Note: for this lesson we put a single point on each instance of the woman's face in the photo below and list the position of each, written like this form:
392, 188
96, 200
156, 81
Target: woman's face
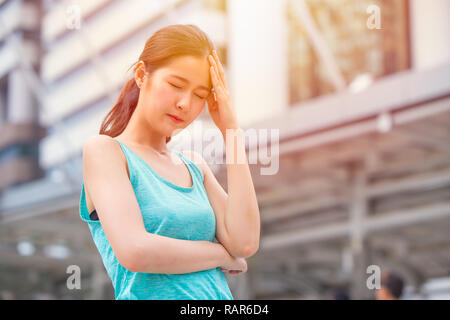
180, 89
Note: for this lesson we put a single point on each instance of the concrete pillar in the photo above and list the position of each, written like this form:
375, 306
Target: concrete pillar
2, 106
21, 104
358, 241
430, 27
20, 129
257, 58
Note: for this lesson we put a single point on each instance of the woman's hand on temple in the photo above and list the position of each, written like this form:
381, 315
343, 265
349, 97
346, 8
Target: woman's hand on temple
220, 107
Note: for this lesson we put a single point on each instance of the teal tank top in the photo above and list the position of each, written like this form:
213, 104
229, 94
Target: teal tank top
168, 210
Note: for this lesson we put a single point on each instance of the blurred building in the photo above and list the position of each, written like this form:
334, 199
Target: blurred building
20, 130
360, 94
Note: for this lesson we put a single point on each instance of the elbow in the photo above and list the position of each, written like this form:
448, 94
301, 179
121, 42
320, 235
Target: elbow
252, 250
246, 251
131, 265
131, 258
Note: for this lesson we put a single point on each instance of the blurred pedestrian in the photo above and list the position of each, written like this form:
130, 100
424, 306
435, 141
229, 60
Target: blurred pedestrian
391, 286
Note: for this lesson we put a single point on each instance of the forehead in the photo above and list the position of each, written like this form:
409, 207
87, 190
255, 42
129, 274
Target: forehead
193, 69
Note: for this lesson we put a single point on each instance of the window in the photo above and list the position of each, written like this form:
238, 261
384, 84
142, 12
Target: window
355, 48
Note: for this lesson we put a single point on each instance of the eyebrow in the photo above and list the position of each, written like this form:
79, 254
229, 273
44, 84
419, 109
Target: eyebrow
186, 80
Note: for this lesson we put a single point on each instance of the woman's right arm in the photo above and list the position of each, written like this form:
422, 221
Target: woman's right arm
109, 188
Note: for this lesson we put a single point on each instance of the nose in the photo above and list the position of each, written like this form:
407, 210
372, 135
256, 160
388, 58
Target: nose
184, 103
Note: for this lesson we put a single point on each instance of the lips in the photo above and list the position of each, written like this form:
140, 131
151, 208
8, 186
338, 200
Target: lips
175, 118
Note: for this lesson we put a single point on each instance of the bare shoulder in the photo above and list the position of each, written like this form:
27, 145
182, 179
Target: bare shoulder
103, 150
102, 146
99, 142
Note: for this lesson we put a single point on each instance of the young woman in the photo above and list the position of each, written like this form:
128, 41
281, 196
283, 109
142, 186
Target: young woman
154, 219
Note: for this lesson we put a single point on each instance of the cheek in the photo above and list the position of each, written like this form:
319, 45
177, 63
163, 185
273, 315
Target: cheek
164, 93
161, 99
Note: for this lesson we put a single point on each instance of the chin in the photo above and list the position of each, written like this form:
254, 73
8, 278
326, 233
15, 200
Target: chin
174, 130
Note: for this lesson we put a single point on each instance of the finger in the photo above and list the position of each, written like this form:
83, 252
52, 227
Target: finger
215, 80
219, 66
213, 95
213, 63
210, 98
211, 102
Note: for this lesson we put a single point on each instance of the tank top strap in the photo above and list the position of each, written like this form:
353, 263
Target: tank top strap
130, 158
123, 147
194, 167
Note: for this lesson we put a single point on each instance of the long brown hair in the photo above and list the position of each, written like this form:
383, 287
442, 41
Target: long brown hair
164, 45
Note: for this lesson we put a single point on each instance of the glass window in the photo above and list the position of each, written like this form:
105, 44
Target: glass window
355, 48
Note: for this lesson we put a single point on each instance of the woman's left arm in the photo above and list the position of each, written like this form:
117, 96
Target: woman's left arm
237, 212
242, 218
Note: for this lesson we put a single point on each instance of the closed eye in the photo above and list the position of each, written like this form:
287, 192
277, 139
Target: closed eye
174, 85
180, 88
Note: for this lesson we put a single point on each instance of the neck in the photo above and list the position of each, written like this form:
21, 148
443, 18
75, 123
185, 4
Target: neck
140, 133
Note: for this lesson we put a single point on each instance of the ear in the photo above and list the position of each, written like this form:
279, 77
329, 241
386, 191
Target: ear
140, 73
